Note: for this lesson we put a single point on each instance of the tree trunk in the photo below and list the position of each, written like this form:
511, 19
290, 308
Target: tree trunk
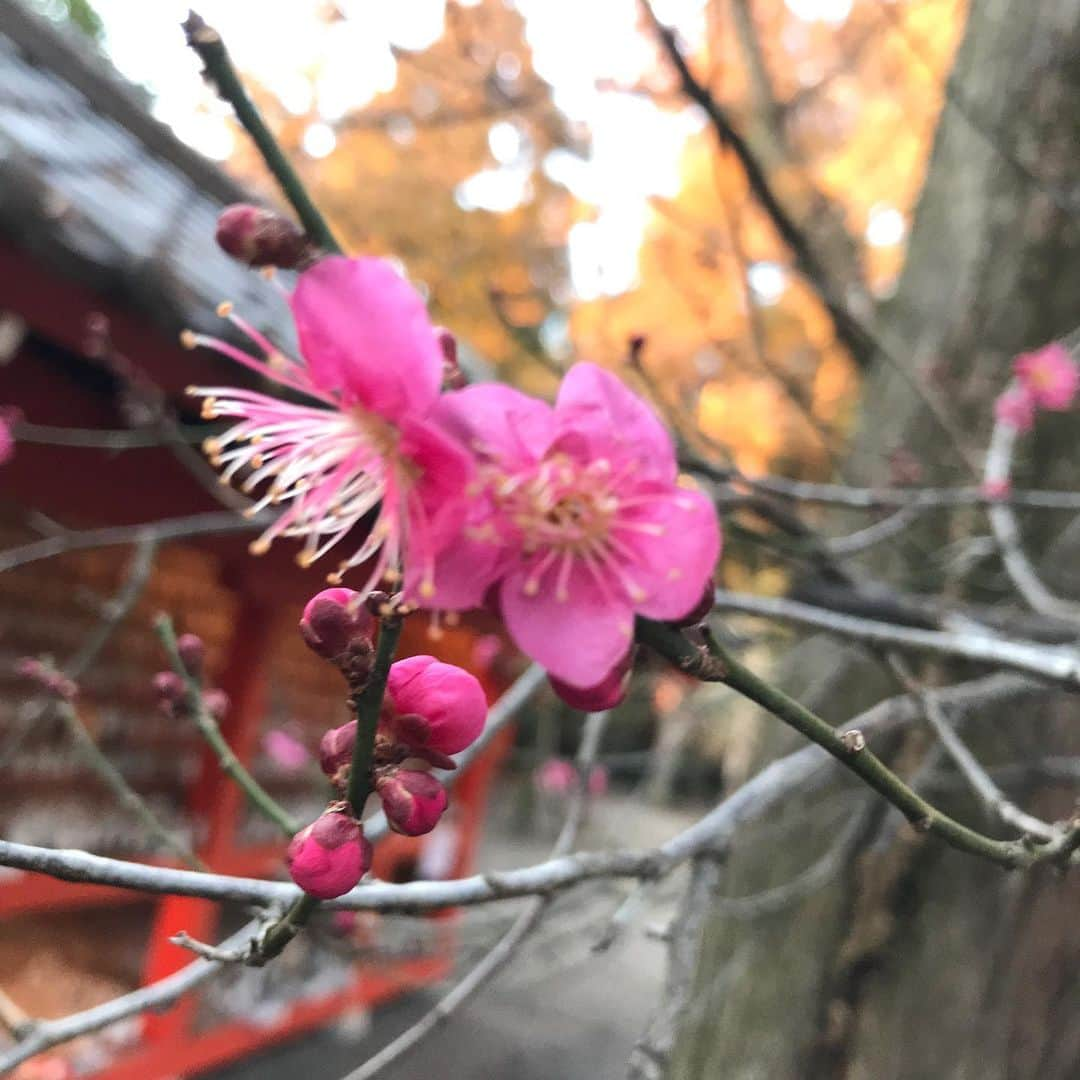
915, 961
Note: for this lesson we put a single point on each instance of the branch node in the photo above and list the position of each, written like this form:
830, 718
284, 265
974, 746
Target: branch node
853, 740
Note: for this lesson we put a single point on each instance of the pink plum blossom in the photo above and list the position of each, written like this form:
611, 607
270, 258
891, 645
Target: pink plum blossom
578, 519
1016, 407
330, 856
287, 752
1050, 376
372, 367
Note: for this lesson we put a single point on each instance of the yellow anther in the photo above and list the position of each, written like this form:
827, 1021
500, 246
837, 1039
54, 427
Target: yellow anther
225, 309
260, 546
188, 339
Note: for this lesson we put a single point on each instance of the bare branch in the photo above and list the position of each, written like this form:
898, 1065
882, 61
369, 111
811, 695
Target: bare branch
1058, 663
113, 535
997, 470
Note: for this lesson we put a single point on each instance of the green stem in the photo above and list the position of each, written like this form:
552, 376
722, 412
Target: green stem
368, 705
208, 728
124, 794
280, 933
718, 665
207, 43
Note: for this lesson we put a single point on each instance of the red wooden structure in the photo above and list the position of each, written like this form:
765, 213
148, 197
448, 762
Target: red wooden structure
105, 219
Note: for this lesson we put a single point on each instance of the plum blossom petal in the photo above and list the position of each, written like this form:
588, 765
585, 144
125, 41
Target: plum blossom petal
577, 629
498, 422
672, 542
615, 423
365, 336
465, 570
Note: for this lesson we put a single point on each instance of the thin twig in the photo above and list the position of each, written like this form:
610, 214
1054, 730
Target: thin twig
208, 728
978, 779
997, 470
113, 535
506, 947
46, 1034
1057, 663
122, 791
207, 43
368, 706
851, 752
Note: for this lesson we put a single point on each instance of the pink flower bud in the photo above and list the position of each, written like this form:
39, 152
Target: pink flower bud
261, 237
217, 703
330, 856
336, 749
413, 801
336, 622
192, 652
168, 687
605, 695
447, 704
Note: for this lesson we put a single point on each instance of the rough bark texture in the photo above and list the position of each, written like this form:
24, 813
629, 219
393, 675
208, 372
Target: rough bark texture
917, 962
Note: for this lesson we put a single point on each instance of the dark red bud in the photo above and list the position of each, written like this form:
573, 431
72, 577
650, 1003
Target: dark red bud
453, 376
261, 237
413, 801
336, 750
336, 624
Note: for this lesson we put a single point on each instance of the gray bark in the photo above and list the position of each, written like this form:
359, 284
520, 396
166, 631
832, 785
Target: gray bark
917, 962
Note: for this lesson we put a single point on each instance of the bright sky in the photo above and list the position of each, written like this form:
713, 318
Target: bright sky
575, 44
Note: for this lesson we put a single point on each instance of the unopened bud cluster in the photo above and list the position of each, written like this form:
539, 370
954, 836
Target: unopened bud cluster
430, 711
170, 688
